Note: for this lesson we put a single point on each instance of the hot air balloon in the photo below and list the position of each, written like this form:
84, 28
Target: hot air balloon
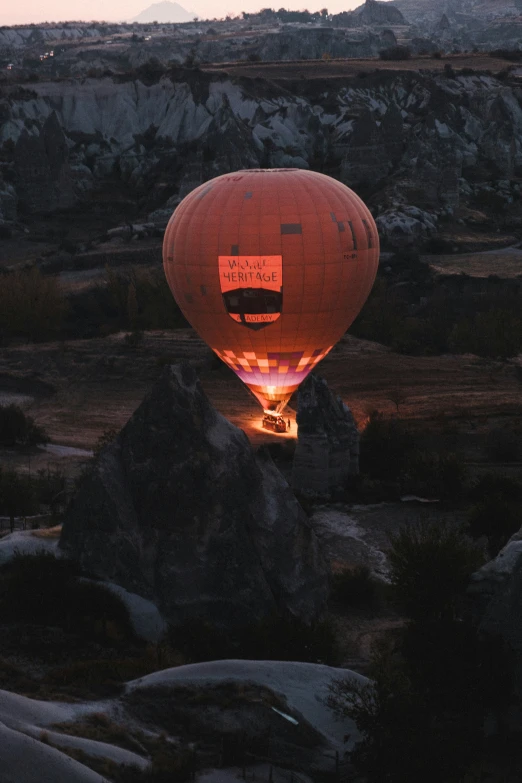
271, 266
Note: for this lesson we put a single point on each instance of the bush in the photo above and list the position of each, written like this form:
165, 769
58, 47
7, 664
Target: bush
50, 488
513, 55
496, 333
273, 639
384, 447
439, 246
354, 587
22, 494
395, 53
45, 590
134, 339
504, 445
422, 713
433, 474
19, 429
31, 305
496, 484
17, 494
130, 300
430, 568
497, 517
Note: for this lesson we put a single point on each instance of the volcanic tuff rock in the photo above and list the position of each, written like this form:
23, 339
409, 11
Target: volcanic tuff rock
426, 140
180, 510
495, 595
375, 12
41, 163
327, 450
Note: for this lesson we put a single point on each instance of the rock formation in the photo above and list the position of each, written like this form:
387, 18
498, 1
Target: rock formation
495, 595
327, 450
180, 510
420, 141
374, 12
43, 176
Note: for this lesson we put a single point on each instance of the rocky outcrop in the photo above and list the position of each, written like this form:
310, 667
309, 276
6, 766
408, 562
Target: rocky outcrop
405, 226
495, 600
374, 12
180, 510
313, 44
327, 450
44, 178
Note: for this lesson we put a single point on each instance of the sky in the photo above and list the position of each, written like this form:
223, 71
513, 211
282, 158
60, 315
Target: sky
14, 12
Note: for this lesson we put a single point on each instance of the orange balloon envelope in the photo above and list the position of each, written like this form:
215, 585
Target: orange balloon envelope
271, 266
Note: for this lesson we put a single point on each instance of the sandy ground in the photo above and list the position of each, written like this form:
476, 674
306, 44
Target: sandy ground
505, 263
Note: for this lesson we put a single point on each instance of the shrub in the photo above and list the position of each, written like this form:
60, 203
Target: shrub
354, 587
495, 333
439, 245
17, 494
440, 475
31, 305
19, 429
498, 518
503, 445
50, 488
513, 55
395, 53
21, 494
430, 568
496, 484
134, 339
384, 447
273, 639
422, 713
46, 590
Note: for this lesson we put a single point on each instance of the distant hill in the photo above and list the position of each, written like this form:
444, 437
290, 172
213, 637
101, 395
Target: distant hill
164, 12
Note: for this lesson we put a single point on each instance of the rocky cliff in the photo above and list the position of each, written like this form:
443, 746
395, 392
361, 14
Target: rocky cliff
180, 510
327, 450
423, 141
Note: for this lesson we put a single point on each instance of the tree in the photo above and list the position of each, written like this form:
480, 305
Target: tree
19, 429
385, 445
397, 396
17, 495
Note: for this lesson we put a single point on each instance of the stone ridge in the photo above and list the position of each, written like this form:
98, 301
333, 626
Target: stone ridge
180, 510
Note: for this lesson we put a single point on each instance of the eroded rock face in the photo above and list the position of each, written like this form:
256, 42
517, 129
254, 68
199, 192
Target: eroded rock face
422, 141
375, 12
44, 177
327, 450
495, 600
180, 510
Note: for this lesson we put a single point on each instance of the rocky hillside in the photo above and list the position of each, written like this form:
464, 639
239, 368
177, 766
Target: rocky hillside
417, 145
